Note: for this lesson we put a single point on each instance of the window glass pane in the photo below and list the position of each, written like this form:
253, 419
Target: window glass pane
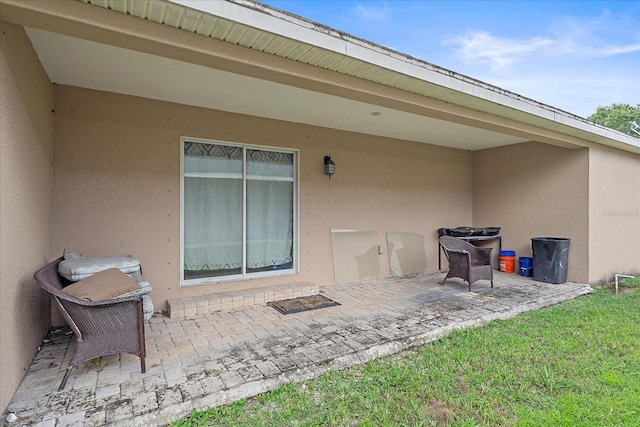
205, 159
269, 210
212, 210
270, 165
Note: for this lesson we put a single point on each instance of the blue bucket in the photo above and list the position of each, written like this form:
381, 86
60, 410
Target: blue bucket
526, 266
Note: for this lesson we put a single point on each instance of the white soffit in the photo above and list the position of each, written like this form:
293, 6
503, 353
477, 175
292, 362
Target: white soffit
260, 27
77, 62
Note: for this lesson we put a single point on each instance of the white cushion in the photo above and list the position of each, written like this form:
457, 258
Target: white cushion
69, 254
76, 269
145, 288
147, 307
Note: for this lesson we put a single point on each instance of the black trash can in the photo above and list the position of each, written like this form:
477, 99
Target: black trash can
550, 259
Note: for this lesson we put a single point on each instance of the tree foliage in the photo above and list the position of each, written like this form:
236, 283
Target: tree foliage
618, 116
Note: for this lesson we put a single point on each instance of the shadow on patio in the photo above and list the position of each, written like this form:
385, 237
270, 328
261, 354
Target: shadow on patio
212, 359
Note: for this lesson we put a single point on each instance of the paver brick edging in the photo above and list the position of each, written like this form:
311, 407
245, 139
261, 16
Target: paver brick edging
179, 308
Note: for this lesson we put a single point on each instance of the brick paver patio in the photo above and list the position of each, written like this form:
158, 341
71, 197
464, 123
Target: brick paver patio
216, 357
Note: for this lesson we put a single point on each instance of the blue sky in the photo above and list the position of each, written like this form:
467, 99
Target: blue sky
572, 55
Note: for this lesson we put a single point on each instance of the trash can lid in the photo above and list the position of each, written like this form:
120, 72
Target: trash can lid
552, 239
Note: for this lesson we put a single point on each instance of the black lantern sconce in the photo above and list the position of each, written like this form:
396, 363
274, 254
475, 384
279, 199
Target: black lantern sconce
329, 166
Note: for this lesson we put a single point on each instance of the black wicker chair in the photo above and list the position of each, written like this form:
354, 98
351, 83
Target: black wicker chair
101, 328
466, 261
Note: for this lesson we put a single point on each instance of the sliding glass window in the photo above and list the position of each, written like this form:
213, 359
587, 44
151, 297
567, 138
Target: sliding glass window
239, 211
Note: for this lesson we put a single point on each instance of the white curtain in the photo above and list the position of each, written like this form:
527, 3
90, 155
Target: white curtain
269, 224
213, 209
212, 224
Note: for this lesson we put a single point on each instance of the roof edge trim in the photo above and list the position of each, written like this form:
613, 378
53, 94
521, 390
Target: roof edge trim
273, 20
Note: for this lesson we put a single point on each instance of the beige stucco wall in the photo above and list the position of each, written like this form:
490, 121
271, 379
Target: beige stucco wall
26, 99
535, 190
117, 161
614, 213
117, 183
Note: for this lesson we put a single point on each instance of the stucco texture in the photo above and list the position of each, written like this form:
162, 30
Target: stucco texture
614, 214
101, 175
117, 184
25, 183
535, 190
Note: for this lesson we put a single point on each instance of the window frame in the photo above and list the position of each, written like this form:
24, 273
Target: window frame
296, 217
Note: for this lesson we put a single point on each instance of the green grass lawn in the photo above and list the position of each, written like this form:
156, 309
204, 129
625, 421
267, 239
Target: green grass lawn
575, 364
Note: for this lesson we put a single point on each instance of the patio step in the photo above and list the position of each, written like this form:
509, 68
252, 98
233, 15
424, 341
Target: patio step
225, 301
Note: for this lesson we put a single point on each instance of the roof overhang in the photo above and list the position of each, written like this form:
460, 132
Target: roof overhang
247, 58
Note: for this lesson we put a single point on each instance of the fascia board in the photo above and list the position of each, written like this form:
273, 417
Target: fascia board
289, 26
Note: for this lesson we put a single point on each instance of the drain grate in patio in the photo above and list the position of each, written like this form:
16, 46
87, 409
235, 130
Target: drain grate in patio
297, 305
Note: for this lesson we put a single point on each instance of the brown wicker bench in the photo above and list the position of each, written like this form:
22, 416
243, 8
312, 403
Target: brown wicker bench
101, 328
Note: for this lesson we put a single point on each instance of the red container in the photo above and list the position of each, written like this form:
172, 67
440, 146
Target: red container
507, 261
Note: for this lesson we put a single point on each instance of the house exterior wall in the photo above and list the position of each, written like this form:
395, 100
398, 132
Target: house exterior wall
117, 184
114, 187
26, 99
535, 190
614, 213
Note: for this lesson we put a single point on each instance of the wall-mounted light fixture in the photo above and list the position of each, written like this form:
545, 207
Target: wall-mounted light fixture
329, 166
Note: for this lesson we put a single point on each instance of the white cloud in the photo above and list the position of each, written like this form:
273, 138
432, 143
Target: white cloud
612, 50
566, 37
478, 47
572, 64
481, 47
379, 12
